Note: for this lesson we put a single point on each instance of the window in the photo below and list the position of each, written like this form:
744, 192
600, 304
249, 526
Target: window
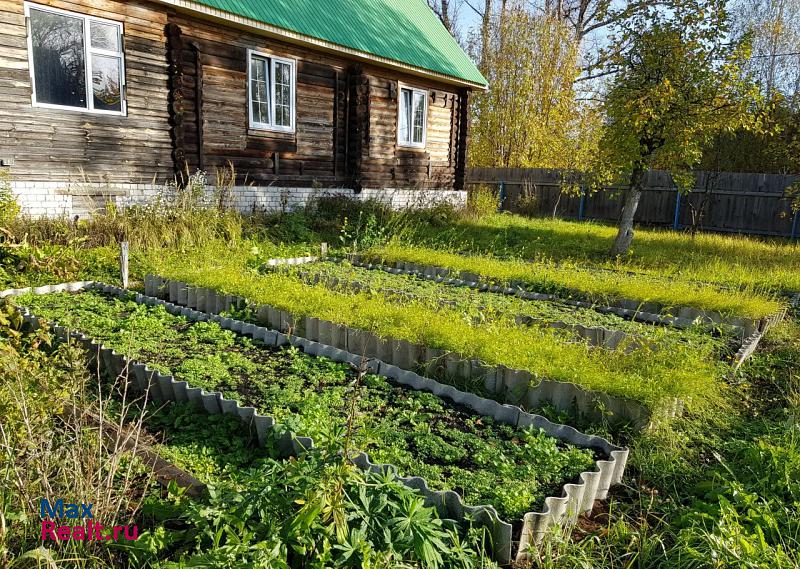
76, 61
271, 93
413, 118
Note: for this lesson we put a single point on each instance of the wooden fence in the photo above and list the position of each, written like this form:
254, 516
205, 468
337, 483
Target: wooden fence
754, 204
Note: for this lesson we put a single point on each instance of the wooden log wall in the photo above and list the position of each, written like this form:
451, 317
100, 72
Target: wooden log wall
388, 165
58, 145
346, 123
211, 82
187, 106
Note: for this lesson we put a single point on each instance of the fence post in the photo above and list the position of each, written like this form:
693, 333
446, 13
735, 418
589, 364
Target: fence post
123, 263
676, 223
582, 205
794, 225
502, 195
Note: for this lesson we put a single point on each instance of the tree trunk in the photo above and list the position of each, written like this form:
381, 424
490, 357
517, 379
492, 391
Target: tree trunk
485, 38
446, 16
625, 235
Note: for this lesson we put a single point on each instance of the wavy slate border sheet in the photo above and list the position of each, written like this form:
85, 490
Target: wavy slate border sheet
576, 498
595, 336
516, 387
291, 261
641, 312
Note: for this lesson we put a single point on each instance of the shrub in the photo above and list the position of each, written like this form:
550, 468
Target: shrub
51, 410
482, 201
9, 209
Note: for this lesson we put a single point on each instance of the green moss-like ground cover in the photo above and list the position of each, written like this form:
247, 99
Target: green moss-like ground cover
487, 462
569, 281
486, 306
730, 260
688, 370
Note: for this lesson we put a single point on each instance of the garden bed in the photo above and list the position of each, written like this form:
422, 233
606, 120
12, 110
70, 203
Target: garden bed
642, 297
536, 362
416, 430
507, 385
597, 329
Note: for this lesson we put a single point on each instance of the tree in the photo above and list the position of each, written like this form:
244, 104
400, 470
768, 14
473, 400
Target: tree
529, 116
774, 26
775, 149
445, 10
679, 83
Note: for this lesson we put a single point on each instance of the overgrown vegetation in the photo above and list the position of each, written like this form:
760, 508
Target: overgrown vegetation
260, 511
643, 375
420, 433
749, 263
479, 306
718, 490
570, 281
52, 446
714, 488
257, 511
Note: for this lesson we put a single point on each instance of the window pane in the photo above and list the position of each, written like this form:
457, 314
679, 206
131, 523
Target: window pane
259, 89
419, 117
106, 74
405, 115
283, 94
59, 67
104, 36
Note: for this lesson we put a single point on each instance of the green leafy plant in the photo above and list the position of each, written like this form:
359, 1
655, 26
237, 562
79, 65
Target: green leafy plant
513, 469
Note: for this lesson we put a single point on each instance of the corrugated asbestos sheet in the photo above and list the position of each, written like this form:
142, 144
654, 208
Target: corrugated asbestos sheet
406, 31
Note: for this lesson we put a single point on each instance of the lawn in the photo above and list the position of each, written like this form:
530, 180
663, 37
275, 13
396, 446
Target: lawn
728, 260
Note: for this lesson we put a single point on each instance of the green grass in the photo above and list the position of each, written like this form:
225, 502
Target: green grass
732, 260
717, 488
720, 489
405, 289
452, 448
688, 371
572, 280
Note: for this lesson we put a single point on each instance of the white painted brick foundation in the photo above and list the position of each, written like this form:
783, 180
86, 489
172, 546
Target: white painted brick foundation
52, 199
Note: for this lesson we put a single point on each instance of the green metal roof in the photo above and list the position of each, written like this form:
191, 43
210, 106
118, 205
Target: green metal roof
406, 31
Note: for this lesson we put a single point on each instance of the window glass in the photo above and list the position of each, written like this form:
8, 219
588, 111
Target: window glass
405, 115
412, 117
271, 93
419, 118
104, 36
58, 58
283, 94
71, 53
259, 89
106, 74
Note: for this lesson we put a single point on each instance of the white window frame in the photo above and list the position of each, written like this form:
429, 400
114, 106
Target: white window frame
88, 51
273, 59
414, 91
